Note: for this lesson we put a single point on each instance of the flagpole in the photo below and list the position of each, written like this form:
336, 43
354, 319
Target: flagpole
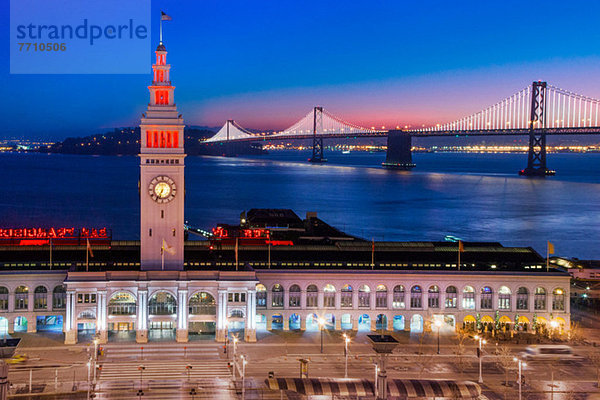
87, 257
161, 29
50, 253
269, 260
547, 257
372, 253
236, 253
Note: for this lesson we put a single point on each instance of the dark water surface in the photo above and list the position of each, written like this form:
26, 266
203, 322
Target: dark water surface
477, 197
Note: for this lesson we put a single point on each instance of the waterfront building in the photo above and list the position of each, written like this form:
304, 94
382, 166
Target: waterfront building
272, 271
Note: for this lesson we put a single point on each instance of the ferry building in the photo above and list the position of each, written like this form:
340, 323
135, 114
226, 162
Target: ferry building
273, 271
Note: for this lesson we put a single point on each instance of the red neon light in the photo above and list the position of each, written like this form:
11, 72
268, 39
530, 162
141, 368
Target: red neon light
257, 233
53, 233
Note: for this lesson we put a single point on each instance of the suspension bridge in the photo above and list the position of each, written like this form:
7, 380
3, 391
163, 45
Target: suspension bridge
536, 111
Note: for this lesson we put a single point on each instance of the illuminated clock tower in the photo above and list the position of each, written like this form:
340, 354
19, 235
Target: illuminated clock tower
162, 189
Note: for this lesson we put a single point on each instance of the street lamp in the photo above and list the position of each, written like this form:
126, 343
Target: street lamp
235, 340
346, 342
480, 355
95, 358
89, 364
321, 324
519, 380
438, 325
244, 362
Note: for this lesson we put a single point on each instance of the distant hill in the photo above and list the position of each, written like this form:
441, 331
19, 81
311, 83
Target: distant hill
121, 141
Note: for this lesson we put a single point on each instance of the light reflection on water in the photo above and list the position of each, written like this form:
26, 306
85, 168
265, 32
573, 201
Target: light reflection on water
475, 197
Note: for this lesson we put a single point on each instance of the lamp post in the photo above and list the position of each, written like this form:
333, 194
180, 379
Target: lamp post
480, 355
235, 340
244, 362
321, 324
438, 325
346, 342
95, 358
89, 365
519, 380
376, 373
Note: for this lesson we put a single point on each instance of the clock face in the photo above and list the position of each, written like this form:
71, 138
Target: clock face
162, 189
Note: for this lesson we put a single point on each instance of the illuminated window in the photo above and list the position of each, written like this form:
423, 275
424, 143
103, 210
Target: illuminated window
451, 297
486, 298
261, 295
277, 296
21, 298
504, 298
522, 298
558, 300
329, 296
540, 298
364, 296
381, 296
295, 294
416, 297
346, 296
433, 299
312, 294
398, 299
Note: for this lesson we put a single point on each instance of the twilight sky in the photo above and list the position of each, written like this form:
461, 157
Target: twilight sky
267, 63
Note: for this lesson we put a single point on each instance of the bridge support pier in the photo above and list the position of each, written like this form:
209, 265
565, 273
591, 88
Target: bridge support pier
317, 151
536, 157
399, 154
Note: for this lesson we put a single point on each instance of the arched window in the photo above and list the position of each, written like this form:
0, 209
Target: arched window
398, 300
364, 296
522, 298
295, 295
558, 299
346, 296
277, 293
468, 301
40, 298
416, 297
329, 296
381, 296
433, 299
122, 303
504, 298
162, 303
261, 295
540, 298
3, 298
451, 297
236, 314
312, 296
202, 303
21, 298
59, 298
486, 298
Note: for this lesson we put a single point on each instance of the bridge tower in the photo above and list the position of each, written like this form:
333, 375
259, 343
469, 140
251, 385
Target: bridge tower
399, 153
317, 148
536, 158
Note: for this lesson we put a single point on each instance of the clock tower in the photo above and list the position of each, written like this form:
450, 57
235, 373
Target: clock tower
162, 186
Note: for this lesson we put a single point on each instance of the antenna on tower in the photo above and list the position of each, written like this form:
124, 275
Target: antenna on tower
163, 17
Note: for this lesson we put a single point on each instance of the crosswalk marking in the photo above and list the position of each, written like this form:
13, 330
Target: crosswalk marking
156, 370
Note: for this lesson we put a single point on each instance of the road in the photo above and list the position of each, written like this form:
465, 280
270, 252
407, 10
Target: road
165, 374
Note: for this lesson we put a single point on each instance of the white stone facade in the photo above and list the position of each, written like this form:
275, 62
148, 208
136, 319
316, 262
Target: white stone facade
249, 299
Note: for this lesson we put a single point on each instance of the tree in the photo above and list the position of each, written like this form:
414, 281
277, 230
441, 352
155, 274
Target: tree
460, 349
576, 333
424, 358
506, 361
